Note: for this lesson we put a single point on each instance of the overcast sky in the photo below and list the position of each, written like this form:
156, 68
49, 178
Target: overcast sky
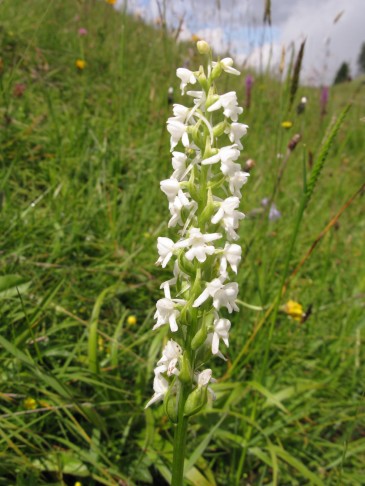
334, 29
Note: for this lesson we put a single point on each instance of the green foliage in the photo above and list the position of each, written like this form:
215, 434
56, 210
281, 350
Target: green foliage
82, 154
361, 58
343, 74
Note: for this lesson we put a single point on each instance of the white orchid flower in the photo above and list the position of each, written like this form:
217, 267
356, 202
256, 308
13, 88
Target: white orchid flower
235, 132
209, 291
186, 77
229, 216
226, 65
170, 187
208, 344
165, 248
223, 295
231, 254
198, 244
166, 312
227, 156
229, 103
221, 331
178, 131
160, 387
236, 181
226, 297
170, 357
176, 207
180, 112
203, 379
179, 165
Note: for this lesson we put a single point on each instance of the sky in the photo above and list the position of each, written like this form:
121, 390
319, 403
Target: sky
333, 29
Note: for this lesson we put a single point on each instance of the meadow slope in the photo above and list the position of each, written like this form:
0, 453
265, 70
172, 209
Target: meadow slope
82, 152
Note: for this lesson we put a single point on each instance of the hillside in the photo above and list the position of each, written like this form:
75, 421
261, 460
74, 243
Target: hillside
83, 148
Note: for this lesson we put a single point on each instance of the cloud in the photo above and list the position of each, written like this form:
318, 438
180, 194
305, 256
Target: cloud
237, 25
328, 44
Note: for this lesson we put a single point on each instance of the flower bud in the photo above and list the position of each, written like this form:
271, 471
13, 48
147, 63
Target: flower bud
185, 316
193, 188
196, 401
188, 313
217, 70
185, 369
203, 47
203, 81
199, 338
208, 210
196, 134
208, 150
185, 265
218, 130
211, 99
208, 320
206, 326
171, 406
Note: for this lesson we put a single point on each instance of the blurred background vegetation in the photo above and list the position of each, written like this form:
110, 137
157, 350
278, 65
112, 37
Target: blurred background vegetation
84, 102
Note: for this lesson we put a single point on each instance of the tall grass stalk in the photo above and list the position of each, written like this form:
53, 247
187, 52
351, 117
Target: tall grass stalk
274, 309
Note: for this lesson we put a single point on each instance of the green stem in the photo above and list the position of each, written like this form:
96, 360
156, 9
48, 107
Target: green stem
177, 478
180, 440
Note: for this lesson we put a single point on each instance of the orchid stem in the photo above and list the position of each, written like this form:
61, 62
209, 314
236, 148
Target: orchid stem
180, 441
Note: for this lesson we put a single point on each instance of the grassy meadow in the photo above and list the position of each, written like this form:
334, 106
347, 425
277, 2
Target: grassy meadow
82, 152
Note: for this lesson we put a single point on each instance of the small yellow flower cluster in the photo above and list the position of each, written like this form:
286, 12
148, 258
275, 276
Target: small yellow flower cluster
132, 320
294, 310
30, 404
80, 64
286, 124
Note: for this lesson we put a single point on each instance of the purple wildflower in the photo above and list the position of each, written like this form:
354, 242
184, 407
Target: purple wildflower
249, 84
274, 213
324, 99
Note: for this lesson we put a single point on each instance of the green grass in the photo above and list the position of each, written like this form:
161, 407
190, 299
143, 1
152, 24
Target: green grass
82, 154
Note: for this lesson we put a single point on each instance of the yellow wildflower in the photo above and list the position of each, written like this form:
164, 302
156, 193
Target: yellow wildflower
294, 310
132, 320
286, 124
80, 64
111, 2
78, 483
195, 38
30, 404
